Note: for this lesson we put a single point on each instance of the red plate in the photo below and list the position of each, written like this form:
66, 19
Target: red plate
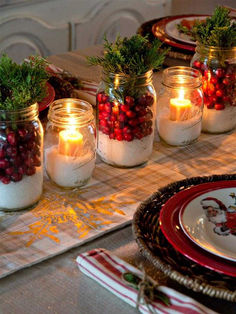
170, 226
158, 30
48, 99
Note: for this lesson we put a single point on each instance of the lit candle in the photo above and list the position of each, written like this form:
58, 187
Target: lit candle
70, 143
180, 108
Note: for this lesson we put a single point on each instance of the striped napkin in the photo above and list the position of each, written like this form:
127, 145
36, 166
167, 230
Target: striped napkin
87, 90
108, 270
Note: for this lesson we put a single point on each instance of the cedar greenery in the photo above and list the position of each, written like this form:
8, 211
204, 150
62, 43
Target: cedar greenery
21, 85
130, 56
219, 30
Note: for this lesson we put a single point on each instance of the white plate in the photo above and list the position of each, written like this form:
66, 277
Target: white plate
172, 30
209, 220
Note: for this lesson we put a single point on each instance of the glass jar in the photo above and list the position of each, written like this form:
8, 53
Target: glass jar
218, 68
21, 162
180, 104
70, 142
126, 110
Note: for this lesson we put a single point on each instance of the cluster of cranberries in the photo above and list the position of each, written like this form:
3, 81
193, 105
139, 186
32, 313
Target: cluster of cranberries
19, 153
128, 120
218, 85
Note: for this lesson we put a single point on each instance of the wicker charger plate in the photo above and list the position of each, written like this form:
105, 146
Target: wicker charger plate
154, 246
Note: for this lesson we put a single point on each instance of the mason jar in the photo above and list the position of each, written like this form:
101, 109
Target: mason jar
70, 142
21, 162
218, 68
179, 106
125, 119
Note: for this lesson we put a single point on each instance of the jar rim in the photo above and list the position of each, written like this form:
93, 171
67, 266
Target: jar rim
61, 110
26, 113
184, 76
215, 48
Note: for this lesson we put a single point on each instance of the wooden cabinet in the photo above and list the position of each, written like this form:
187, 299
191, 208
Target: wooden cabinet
56, 26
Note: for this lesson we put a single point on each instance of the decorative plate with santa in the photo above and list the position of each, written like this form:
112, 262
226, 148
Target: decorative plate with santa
209, 220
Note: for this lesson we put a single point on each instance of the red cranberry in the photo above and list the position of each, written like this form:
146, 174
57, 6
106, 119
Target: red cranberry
105, 114
125, 107
4, 164
16, 177
112, 136
213, 80
133, 122
106, 130
149, 100
197, 64
100, 116
219, 93
30, 171
11, 138
121, 117
105, 98
119, 137
210, 89
9, 171
22, 132
99, 97
36, 161
226, 81
21, 169
130, 114
11, 151
118, 131
5, 180
103, 122
2, 152
219, 106
101, 107
113, 118
127, 129
220, 72
129, 100
107, 107
128, 137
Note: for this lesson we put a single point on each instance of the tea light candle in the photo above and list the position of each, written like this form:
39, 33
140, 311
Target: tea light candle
179, 126
180, 109
70, 143
70, 163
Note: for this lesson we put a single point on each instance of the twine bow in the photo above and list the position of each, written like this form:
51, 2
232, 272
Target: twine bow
147, 290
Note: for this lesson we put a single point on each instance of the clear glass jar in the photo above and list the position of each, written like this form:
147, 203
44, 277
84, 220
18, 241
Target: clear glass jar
218, 68
126, 110
21, 162
70, 142
180, 104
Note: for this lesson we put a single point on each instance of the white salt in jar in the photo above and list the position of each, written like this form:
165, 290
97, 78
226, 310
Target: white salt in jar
125, 118
70, 142
21, 162
180, 104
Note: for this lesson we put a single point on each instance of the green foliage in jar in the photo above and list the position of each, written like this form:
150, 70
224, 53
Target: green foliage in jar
219, 30
130, 56
21, 85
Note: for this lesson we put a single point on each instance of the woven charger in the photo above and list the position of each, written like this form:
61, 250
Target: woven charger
154, 246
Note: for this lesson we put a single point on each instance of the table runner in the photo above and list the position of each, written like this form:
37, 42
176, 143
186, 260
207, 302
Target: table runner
66, 219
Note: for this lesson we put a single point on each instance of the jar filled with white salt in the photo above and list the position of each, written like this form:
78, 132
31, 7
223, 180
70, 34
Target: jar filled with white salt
21, 162
180, 106
70, 143
125, 118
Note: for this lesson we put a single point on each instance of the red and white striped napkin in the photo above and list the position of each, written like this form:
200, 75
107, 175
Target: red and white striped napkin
87, 91
107, 270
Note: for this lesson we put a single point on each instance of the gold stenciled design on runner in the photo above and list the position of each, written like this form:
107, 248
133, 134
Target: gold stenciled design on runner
70, 207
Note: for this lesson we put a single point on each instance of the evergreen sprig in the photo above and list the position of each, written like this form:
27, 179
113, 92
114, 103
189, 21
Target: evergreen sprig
21, 85
219, 30
130, 56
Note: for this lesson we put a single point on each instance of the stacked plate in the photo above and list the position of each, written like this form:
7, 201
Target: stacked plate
200, 223
187, 230
166, 30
